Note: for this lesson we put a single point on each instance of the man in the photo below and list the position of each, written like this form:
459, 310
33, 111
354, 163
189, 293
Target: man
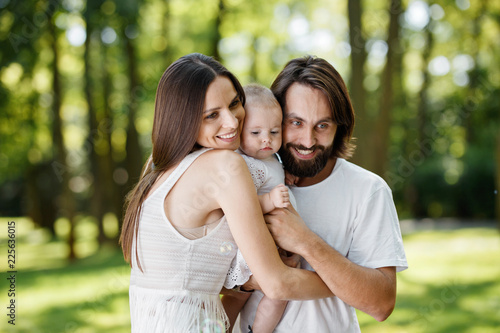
348, 229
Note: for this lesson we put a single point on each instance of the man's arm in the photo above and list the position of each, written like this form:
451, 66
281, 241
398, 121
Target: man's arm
370, 290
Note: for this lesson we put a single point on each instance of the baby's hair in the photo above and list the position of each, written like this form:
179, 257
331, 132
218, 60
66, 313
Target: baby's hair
258, 95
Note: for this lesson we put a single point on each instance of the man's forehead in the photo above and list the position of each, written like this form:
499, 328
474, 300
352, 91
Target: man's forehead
307, 116
300, 96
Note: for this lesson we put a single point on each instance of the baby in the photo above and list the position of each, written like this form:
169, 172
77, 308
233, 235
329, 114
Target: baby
260, 140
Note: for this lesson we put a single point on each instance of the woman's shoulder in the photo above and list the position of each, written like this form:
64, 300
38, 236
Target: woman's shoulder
220, 156
221, 159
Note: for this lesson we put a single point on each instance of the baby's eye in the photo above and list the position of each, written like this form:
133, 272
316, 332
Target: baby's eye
275, 132
255, 133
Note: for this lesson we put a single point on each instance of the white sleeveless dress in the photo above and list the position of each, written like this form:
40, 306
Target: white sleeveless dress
178, 290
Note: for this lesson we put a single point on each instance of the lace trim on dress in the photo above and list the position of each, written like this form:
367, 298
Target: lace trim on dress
239, 272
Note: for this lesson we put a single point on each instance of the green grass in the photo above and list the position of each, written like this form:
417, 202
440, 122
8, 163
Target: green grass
52, 295
453, 284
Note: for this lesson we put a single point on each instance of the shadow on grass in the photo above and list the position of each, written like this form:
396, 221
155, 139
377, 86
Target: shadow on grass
94, 316
448, 307
109, 258
89, 295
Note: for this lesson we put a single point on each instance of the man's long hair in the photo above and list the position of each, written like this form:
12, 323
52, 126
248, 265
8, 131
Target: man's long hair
319, 74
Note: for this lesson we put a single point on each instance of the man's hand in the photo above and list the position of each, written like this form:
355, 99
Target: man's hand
288, 229
370, 290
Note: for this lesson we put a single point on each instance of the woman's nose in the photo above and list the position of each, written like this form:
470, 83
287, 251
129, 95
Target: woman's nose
229, 120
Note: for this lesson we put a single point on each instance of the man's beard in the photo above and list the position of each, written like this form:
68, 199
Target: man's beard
304, 168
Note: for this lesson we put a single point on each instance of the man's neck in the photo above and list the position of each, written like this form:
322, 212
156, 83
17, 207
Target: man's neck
322, 175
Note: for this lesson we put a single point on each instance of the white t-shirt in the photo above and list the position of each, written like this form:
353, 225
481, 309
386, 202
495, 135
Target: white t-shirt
353, 211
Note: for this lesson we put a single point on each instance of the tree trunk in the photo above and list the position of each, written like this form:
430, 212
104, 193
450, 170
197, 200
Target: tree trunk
168, 56
413, 195
497, 189
97, 199
422, 96
42, 186
474, 75
254, 70
111, 190
357, 90
134, 160
217, 35
383, 122
66, 199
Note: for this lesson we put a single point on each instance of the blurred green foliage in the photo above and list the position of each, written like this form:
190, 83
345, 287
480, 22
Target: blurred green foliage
442, 124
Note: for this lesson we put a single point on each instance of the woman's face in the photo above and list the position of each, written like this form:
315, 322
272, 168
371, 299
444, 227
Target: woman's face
223, 116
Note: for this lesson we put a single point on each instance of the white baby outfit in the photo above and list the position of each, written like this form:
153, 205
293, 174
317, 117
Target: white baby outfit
266, 174
178, 290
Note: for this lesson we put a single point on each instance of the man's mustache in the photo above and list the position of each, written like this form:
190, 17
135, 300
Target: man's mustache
301, 147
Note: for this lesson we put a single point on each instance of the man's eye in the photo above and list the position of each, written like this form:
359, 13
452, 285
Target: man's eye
296, 123
322, 126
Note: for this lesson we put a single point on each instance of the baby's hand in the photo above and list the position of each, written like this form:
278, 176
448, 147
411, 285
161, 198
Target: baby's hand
279, 196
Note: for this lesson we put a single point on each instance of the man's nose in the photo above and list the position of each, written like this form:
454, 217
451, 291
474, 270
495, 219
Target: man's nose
308, 138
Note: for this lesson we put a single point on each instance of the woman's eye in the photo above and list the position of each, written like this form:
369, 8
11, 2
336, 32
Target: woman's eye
211, 116
234, 103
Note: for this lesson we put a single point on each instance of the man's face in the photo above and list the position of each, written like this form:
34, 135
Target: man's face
308, 131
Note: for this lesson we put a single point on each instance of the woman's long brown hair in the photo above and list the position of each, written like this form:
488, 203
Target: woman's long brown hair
180, 99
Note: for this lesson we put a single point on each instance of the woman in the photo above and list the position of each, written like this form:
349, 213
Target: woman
194, 202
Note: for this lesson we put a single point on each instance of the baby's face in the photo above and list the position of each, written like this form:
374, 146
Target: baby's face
261, 135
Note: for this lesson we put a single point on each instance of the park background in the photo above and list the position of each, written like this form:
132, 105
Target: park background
77, 87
